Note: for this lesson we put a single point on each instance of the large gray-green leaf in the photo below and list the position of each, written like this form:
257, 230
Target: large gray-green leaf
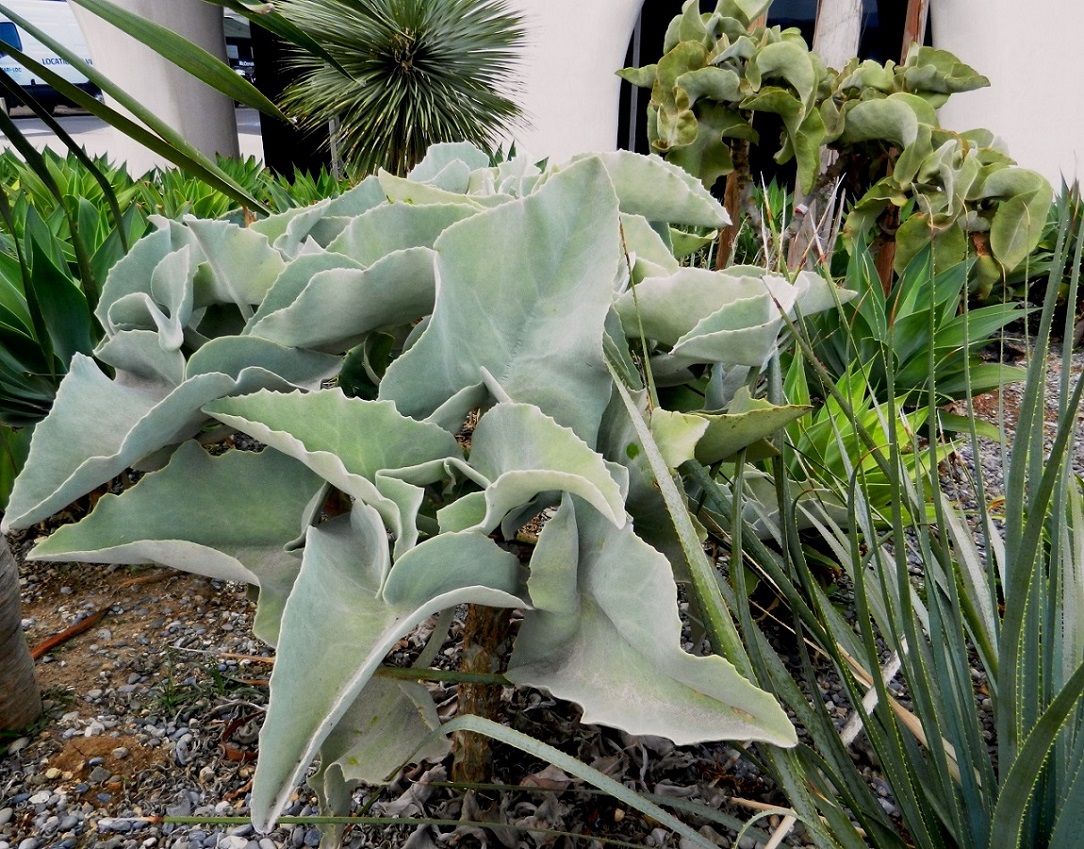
347, 441
227, 517
293, 280
99, 427
354, 437
439, 156
395, 227
524, 452
164, 306
658, 190
746, 421
740, 311
532, 316
131, 272
649, 252
381, 730
887, 119
339, 307
343, 617
402, 190
322, 221
605, 633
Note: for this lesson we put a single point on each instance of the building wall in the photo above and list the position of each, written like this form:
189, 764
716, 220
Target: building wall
1031, 54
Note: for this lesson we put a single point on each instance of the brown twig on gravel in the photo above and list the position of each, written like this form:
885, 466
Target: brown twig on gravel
88, 622
85, 624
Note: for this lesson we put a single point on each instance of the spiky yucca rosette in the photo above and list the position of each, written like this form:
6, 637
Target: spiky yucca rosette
417, 72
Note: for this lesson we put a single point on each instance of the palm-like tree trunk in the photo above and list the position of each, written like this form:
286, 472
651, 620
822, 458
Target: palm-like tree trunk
20, 699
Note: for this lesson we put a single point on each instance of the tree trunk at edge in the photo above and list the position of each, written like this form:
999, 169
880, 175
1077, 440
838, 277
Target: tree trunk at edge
20, 699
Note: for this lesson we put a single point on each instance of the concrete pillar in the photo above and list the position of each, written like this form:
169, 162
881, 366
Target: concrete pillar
202, 115
1031, 55
569, 85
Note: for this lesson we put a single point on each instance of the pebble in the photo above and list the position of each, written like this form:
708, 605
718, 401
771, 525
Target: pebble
5, 815
18, 745
100, 774
30, 843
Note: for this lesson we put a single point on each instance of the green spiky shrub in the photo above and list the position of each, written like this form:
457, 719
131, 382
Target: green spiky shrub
958, 608
410, 73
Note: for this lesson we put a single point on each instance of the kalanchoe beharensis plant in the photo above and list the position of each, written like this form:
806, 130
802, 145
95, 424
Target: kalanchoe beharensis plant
353, 339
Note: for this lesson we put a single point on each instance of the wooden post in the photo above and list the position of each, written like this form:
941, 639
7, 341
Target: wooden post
914, 25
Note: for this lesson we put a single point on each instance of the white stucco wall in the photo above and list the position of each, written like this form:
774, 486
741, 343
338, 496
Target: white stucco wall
203, 116
1031, 54
569, 85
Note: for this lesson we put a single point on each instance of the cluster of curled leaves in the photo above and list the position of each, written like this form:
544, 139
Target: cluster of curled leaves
961, 190
352, 339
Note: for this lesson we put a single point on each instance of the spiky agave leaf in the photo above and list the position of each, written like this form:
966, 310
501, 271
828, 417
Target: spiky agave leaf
421, 71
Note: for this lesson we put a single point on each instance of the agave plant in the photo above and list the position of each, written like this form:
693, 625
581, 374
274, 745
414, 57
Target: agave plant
410, 73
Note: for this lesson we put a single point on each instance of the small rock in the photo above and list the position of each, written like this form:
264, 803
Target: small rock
100, 774
52, 773
40, 798
93, 729
18, 745
29, 843
5, 815
120, 753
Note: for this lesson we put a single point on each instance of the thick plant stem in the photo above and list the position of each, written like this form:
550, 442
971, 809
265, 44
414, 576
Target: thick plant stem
485, 636
737, 184
20, 699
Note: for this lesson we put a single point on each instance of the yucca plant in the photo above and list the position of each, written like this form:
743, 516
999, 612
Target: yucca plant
410, 73
996, 614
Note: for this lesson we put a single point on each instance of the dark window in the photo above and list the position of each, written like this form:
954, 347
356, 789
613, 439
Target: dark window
9, 34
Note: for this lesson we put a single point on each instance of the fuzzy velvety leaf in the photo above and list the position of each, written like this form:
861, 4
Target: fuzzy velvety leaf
789, 61
886, 119
293, 280
708, 155
380, 731
344, 615
348, 442
658, 191
99, 427
746, 421
1019, 221
440, 156
605, 633
532, 317
523, 452
931, 70
395, 227
227, 517
718, 84
339, 307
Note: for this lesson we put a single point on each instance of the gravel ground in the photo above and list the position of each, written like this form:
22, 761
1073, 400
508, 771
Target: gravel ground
154, 712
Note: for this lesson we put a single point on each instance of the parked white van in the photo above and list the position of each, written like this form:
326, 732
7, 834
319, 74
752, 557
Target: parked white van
55, 19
